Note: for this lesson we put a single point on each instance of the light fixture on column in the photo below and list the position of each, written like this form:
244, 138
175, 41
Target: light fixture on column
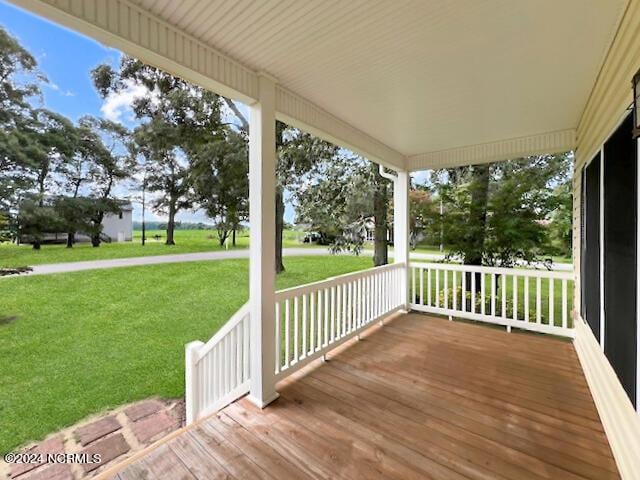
636, 105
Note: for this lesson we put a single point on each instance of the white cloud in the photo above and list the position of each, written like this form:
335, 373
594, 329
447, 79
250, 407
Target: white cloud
56, 88
118, 104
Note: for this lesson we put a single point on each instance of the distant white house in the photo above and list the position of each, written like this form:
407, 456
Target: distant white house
119, 226
116, 227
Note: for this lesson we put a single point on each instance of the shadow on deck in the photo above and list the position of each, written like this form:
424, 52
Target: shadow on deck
420, 398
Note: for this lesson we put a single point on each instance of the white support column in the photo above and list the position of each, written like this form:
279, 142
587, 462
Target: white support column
401, 244
262, 217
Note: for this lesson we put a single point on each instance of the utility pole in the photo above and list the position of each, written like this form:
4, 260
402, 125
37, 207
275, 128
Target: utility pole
144, 189
441, 227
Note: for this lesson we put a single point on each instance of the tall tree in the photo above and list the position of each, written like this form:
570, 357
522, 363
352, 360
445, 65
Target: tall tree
113, 164
20, 79
560, 227
338, 201
176, 117
298, 153
220, 182
495, 215
77, 173
40, 143
380, 208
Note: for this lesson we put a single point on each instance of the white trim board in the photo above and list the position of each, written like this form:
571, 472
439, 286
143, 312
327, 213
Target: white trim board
618, 416
602, 251
550, 142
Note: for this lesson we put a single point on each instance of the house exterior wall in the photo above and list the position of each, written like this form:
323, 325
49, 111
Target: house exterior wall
606, 108
118, 229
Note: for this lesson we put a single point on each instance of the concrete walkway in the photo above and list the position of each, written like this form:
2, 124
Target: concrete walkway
209, 256
189, 257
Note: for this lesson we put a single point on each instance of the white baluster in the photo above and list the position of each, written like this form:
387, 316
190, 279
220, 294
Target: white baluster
304, 326
504, 295
332, 336
455, 290
482, 294
564, 303
515, 297
312, 322
287, 332
446, 289
538, 300
493, 294
296, 308
473, 291
551, 303
463, 274
277, 339
413, 284
526, 299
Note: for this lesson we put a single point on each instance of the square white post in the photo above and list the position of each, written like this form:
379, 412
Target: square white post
262, 236
401, 244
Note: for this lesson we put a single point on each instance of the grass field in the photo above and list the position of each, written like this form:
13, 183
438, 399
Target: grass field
187, 241
75, 344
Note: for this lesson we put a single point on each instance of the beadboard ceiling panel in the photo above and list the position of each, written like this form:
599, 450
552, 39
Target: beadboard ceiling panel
418, 75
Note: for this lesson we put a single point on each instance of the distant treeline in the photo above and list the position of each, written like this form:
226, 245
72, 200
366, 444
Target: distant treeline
178, 226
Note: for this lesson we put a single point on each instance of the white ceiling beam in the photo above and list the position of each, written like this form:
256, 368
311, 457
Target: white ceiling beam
550, 142
137, 32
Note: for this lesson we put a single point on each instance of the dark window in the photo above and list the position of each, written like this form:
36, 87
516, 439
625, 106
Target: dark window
591, 245
620, 216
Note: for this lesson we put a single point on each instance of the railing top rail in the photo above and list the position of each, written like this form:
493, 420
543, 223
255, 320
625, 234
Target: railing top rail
564, 275
235, 319
333, 281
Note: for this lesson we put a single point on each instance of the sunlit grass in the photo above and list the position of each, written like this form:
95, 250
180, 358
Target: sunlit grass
75, 344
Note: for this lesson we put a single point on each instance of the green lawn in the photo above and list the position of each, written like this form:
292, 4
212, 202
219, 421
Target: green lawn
187, 241
75, 344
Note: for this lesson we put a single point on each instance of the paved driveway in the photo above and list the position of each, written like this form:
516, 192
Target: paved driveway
206, 256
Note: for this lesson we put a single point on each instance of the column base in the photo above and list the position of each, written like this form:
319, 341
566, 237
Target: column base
261, 403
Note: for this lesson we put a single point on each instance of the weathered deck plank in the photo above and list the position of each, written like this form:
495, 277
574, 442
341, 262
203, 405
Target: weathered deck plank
420, 398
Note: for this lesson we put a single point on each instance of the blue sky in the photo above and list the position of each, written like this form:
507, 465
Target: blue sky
66, 58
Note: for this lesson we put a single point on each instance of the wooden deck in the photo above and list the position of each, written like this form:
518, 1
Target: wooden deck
419, 398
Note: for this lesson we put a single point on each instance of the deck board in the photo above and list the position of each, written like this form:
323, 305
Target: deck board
419, 398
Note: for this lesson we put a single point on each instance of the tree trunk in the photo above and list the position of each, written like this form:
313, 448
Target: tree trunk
279, 228
279, 201
95, 237
171, 224
380, 205
233, 237
476, 229
70, 239
223, 234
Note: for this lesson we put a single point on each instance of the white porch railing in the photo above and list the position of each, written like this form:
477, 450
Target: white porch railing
536, 300
310, 320
315, 318
217, 372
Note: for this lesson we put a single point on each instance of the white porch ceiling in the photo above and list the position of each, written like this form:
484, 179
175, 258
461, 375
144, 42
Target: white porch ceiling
418, 75
439, 81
